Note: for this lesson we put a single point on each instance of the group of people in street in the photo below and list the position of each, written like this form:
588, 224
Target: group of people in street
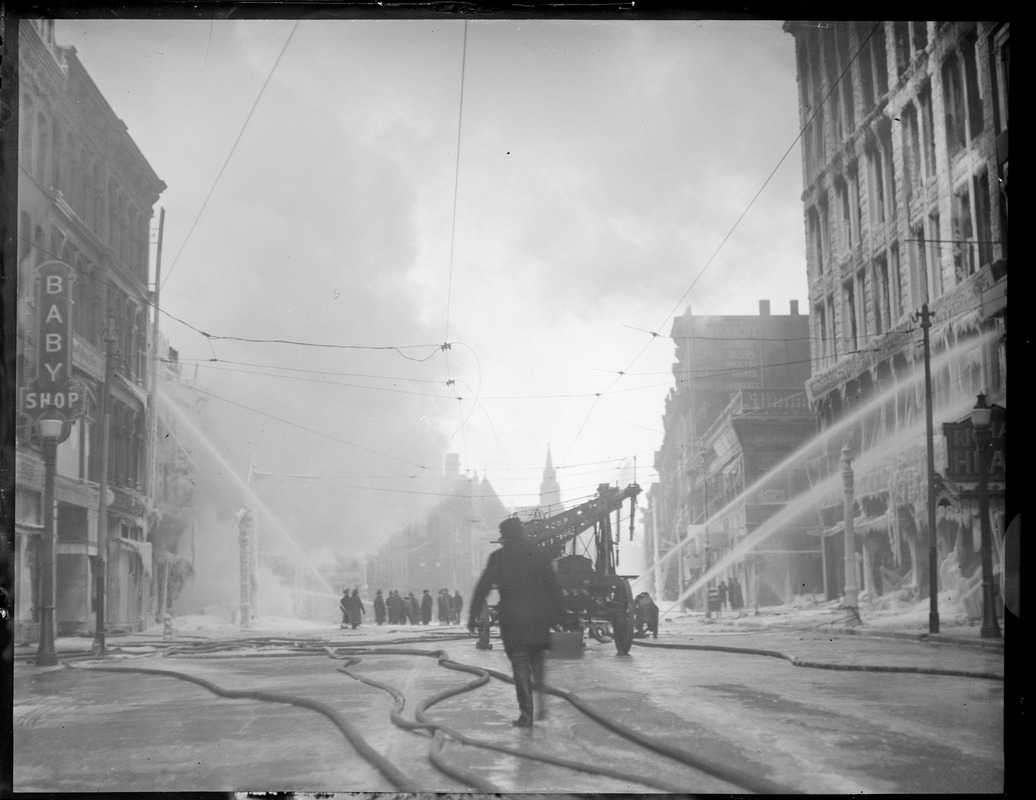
352, 608
730, 595
397, 609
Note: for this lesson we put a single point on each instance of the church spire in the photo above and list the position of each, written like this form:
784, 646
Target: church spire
550, 490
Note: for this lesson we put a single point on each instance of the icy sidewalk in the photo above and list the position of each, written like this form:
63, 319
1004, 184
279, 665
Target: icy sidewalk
887, 617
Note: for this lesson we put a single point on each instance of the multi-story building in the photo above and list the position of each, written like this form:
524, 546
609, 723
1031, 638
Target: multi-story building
718, 358
905, 175
86, 196
448, 548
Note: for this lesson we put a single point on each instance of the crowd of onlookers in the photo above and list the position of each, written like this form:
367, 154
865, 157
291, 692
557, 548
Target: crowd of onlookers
398, 609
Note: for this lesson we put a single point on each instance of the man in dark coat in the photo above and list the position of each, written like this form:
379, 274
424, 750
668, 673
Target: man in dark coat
426, 608
343, 606
356, 609
530, 603
393, 605
415, 609
379, 608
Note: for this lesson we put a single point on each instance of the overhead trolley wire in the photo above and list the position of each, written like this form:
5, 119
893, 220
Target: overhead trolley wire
654, 334
230, 155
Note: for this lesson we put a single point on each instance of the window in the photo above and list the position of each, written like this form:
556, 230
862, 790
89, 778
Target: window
42, 151
888, 166
924, 99
1000, 72
27, 116
856, 212
920, 34
901, 31
983, 218
935, 284
816, 251
863, 31
849, 315
913, 177
24, 255
875, 186
972, 227
882, 307
962, 97
833, 333
846, 85
820, 331
918, 265
896, 285
845, 226
861, 310
963, 233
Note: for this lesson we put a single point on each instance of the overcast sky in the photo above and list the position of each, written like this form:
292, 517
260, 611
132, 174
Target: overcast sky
600, 166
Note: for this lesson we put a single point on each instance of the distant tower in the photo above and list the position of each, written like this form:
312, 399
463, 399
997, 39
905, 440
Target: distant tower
550, 490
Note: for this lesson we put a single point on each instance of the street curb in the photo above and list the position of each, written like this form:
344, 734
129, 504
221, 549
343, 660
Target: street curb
925, 638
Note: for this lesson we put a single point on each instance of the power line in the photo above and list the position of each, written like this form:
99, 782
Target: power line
230, 155
308, 430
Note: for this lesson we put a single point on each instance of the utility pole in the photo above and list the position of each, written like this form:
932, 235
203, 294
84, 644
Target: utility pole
102, 487
708, 549
152, 437
851, 591
933, 553
153, 369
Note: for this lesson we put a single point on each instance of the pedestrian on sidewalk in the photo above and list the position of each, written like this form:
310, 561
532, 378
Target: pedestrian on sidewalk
530, 604
356, 609
722, 594
379, 608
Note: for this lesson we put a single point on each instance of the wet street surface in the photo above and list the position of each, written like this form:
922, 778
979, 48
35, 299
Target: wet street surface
779, 711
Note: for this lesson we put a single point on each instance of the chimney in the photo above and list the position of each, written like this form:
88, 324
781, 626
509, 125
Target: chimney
764, 308
794, 308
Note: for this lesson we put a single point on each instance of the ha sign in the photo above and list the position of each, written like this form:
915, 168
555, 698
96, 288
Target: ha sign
54, 388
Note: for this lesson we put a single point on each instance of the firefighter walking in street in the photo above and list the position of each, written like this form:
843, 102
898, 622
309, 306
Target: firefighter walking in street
530, 603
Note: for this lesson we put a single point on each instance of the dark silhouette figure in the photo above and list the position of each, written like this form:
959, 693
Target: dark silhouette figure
343, 606
356, 609
379, 608
530, 603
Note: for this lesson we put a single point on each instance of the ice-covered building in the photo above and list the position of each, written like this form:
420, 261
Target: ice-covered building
905, 204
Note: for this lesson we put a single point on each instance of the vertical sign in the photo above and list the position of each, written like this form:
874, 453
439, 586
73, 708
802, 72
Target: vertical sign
54, 388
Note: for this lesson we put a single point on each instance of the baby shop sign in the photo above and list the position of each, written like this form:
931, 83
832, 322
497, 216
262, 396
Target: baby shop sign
54, 390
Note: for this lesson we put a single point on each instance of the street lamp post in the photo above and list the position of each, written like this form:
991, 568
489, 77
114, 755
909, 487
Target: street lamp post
981, 416
708, 549
50, 432
851, 599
